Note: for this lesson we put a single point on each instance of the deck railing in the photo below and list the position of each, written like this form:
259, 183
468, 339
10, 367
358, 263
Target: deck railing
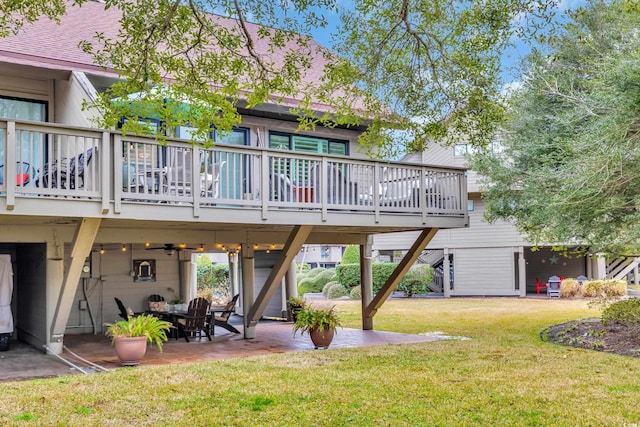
50, 160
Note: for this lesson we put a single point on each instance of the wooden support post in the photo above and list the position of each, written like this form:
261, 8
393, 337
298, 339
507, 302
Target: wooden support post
402, 268
80, 249
291, 248
248, 288
366, 281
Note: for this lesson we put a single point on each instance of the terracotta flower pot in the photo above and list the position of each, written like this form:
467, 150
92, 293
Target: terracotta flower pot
130, 350
321, 337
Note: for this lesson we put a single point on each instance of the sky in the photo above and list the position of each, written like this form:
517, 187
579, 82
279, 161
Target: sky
510, 60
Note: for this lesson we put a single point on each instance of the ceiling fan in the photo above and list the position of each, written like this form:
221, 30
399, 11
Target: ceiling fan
169, 248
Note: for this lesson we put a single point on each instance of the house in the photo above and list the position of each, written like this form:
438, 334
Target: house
492, 259
89, 215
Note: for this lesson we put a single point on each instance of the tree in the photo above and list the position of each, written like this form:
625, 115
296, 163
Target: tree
428, 68
568, 171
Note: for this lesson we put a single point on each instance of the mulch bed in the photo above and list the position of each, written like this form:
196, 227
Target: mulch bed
593, 335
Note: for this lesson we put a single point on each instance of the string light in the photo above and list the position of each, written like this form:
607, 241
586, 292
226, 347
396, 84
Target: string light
147, 244
201, 248
101, 250
124, 248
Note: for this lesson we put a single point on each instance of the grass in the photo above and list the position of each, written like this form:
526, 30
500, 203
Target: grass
504, 375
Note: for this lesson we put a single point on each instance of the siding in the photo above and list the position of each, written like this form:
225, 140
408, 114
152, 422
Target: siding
479, 234
114, 267
264, 263
69, 97
21, 87
484, 272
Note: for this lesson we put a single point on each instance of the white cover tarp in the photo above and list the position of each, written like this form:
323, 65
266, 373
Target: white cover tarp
6, 291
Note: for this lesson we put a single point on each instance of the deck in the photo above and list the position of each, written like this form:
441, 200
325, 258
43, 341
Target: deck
82, 172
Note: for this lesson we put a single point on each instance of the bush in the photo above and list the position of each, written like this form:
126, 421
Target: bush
325, 289
593, 288
315, 283
417, 280
625, 312
604, 288
615, 288
355, 293
336, 291
351, 255
348, 275
315, 271
569, 288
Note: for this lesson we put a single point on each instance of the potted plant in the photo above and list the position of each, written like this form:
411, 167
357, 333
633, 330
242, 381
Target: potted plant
130, 336
294, 305
319, 323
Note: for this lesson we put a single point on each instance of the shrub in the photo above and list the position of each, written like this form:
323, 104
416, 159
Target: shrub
316, 282
569, 288
351, 255
625, 312
593, 288
315, 271
615, 288
604, 288
336, 291
417, 280
325, 289
355, 293
348, 275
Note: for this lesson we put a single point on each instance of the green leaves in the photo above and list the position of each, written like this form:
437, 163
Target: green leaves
569, 171
144, 325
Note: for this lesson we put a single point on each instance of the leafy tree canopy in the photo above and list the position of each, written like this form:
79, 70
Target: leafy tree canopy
569, 166
434, 63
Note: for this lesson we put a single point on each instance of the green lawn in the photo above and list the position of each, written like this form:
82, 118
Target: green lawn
504, 375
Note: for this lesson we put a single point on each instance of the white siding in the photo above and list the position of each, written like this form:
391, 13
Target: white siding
479, 234
114, 267
69, 97
484, 272
264, 263
20, 87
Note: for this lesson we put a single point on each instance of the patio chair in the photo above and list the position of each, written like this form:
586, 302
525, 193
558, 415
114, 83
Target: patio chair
540, 286
24, 173
179, 171
125, 312
223, 319
196, 319
62, 174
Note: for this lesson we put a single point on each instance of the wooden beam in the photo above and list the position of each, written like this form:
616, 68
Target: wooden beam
81, 246
291, 248
402, 268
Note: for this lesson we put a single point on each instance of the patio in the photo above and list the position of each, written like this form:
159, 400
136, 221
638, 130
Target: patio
273, 337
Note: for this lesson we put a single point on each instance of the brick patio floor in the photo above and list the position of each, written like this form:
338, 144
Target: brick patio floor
272, 337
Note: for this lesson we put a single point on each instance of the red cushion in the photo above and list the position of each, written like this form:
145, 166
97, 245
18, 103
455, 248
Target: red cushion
22, 178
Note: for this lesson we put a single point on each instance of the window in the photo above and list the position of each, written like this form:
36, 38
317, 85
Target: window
299, 171
470, 205
308, 144
30, 150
